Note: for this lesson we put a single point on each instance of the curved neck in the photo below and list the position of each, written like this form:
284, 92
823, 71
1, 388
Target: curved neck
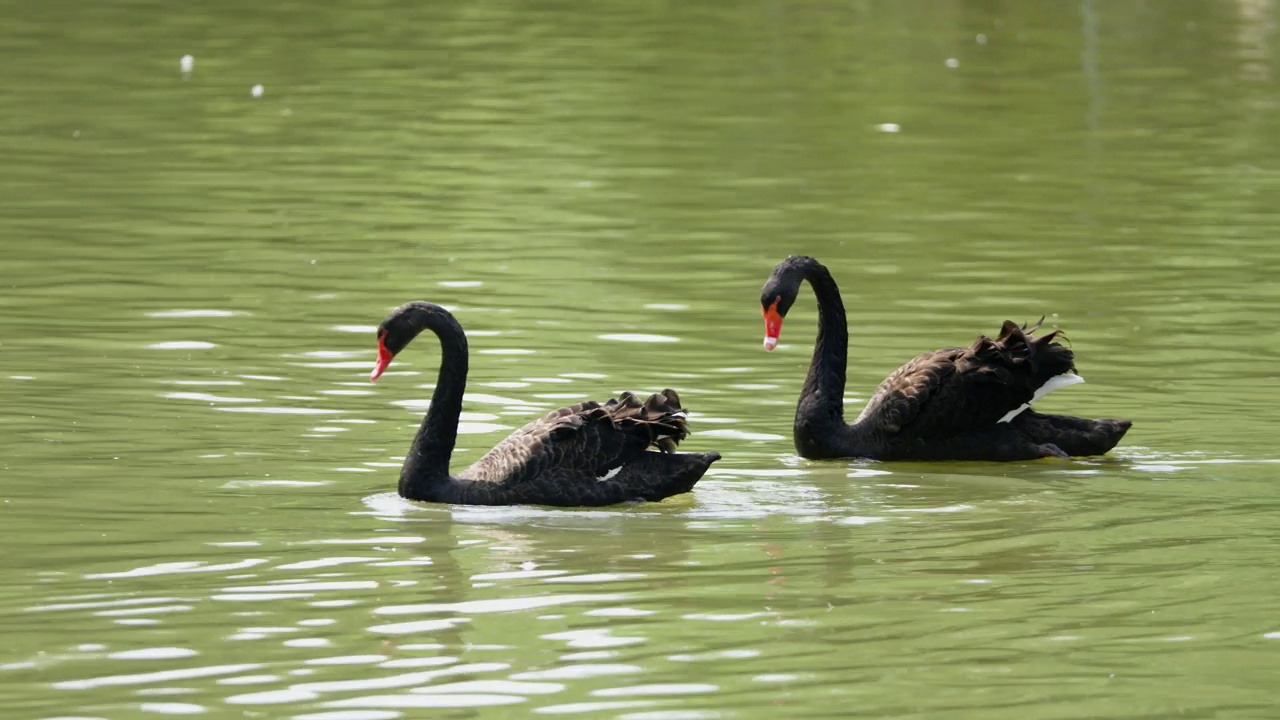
824, 384
427, 464
820, 411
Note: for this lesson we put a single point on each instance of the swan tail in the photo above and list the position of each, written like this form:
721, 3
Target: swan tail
1075, 436
655, 476
651, 477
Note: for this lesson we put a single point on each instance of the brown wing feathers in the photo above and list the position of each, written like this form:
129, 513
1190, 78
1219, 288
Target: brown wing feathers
1011, 368
590, 437
1016, 351
660, 418
657, 421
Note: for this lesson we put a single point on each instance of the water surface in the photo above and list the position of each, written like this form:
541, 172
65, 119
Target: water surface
198, 480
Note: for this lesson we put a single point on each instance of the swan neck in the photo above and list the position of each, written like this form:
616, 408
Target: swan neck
426, 467
824, 385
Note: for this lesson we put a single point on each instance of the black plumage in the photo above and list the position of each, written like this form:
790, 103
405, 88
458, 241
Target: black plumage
949, 404
589, 454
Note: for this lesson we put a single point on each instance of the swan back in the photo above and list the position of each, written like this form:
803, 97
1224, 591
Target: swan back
587, 442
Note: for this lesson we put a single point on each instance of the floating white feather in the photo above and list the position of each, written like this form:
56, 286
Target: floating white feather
1057, 382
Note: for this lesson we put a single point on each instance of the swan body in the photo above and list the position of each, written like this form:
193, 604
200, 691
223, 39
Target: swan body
968, 403
589, 454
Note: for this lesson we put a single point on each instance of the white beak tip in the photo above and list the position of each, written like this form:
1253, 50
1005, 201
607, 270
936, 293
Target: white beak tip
770, 343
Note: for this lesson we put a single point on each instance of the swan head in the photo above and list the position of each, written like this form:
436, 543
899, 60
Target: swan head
778, 295
399, 329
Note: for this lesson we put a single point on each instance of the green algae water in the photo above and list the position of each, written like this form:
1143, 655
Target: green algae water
197, 503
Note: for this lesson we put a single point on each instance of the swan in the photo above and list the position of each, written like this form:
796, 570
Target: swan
589, 454
951, 404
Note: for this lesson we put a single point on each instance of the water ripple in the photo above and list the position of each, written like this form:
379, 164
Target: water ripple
193, 313
182, 345
496, 605
155, 677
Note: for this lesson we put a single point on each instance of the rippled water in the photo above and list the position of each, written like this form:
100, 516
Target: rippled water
198, 508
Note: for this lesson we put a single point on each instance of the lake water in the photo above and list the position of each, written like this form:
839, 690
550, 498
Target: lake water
198, 513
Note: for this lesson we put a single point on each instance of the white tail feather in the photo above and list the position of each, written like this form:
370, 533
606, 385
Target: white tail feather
1057, 382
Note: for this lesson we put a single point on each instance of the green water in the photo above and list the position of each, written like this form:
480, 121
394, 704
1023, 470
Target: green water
198, 513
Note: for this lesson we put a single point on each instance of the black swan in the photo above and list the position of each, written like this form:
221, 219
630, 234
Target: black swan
589, 454
950, 404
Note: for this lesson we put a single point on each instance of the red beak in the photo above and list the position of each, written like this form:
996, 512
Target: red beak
772, 326
384, 358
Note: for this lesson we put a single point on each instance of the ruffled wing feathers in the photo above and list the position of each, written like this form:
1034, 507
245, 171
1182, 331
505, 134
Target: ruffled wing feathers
589, 438
1009, 368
